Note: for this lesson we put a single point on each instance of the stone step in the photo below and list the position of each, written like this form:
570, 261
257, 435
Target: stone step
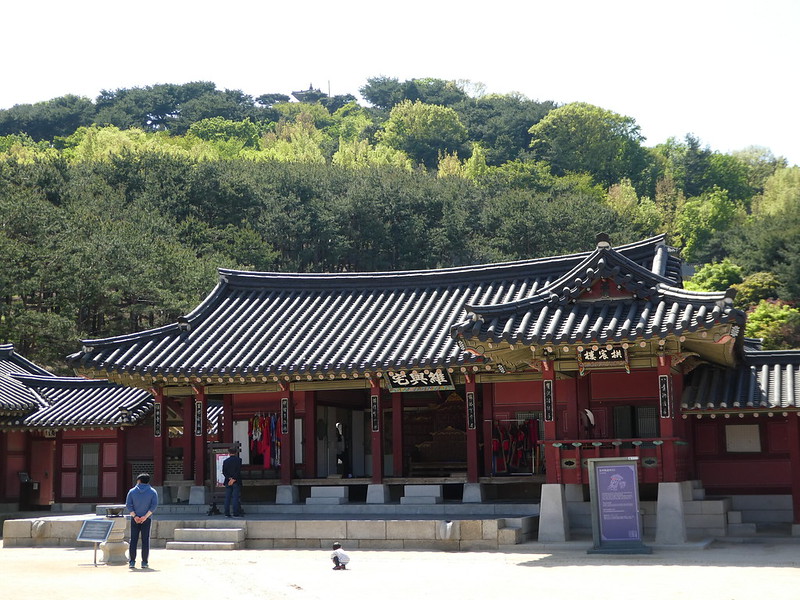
741, 529
210, 535
203, 546
509, 535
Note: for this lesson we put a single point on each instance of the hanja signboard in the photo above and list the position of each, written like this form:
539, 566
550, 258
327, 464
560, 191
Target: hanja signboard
616, 520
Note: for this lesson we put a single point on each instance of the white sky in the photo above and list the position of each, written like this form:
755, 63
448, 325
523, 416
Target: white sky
724, 70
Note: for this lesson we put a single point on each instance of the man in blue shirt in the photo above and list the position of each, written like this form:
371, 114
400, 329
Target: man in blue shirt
232, 471
141, 503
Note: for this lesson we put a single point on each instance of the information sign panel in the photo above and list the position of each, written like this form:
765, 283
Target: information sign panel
614, 491
95, 530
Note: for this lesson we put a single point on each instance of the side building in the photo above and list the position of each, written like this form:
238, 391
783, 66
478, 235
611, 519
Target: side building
67, 439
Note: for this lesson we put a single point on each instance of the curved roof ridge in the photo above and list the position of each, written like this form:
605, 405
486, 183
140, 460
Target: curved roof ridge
472, 272
8, 353
595, 266
55, 381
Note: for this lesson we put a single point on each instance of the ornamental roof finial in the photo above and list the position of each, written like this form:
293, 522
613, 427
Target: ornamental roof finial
603, 240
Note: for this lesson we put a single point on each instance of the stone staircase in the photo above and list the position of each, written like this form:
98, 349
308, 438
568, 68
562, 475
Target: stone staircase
207, 539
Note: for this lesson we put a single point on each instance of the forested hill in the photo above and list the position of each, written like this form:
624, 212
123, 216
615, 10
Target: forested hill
116, 212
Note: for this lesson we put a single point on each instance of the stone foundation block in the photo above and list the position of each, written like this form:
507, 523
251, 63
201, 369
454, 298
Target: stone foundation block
271, 529
509, 535
20, 528
366, 530
380, 544
321, 529
408, 530
471, 530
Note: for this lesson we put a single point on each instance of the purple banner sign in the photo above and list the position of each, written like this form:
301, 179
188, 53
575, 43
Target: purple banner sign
618, 503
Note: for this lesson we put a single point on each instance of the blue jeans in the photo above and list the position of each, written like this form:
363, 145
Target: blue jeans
233, 493
143, 530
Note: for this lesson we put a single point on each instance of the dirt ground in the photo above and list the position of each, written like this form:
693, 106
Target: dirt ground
721, 572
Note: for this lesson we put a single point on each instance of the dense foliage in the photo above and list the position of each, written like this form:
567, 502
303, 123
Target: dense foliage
115, 213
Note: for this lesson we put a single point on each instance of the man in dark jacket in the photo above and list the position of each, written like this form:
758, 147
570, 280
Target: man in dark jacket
141, 503
232, 472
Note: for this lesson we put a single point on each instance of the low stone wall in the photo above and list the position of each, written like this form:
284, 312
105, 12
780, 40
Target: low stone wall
478, 534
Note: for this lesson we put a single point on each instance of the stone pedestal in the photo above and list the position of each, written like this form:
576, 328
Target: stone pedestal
115, 548
670, 518
287, 494
553, 515
329, 494
198, 495
377, 493
473, 493
422, 494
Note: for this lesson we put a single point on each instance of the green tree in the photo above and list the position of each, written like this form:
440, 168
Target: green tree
45, 120
700, 218
776, 323
715, 277
219, 129
423, 131
756, 287
583, 138
500, 123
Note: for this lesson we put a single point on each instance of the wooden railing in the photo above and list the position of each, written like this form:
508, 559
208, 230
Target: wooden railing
660, 459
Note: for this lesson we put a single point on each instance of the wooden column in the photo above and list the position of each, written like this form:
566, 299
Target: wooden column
550, 421
488, 418
310, 436
471, 428
397, 435
376, 427
187, 441
286, 426
123, 483
160, 437
200, 423
667, 407
793, 421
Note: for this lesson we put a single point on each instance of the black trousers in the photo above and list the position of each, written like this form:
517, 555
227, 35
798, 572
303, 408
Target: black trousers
140, 530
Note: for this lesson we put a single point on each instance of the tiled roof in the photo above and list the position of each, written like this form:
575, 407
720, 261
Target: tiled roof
274, 323
767, 380
15, 398
32, 397
78, 402
605, 298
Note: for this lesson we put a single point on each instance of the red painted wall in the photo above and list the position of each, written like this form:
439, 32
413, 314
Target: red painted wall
723, 472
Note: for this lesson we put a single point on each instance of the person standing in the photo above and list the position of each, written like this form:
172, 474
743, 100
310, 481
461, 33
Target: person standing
141, 503
232, 472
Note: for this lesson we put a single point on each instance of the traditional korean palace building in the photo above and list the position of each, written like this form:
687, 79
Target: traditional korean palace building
481, 376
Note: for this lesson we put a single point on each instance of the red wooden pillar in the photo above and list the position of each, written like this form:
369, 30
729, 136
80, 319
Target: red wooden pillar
488, 418
550, 422
160, 436
472, 428
287, 438
310, 436
397, 435
226, 426
200, 434
376, 427
187, 440
122, 462
794, 459
667, 407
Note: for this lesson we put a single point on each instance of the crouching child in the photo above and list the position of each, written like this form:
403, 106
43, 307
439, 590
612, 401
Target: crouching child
339, 557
